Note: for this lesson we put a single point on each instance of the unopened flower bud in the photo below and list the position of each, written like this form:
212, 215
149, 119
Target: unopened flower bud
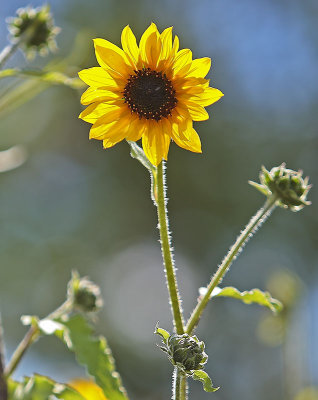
34, 28
286, 185
184, 351
84, 294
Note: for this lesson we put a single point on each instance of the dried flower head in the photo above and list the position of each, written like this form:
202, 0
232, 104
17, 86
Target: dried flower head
34, 29
286, 185
152, 92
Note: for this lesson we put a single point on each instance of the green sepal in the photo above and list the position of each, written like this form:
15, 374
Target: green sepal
203, 377
255, 296
260, 188
138, 153
40, 387
163, 333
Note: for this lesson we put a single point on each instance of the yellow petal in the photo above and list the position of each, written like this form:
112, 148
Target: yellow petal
182, 61
208, 97
150, 46
88, 389
96, 77
156, 142
200, 67
129, 44
197, 112
166, 40
136, 129
95, 111
92, 95
110, 56
186, 137
103, 124
116, 133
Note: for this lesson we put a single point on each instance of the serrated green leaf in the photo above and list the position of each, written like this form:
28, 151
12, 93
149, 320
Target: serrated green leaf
163, 333
204, 378
94, 353
249, 296
40, 387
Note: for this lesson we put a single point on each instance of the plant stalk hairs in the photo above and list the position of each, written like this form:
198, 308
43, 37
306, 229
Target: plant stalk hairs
152, 91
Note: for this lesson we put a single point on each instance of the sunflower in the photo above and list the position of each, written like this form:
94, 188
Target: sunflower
153, 92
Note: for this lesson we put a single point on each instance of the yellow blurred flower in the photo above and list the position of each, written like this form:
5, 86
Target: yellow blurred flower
153, 91
88, 389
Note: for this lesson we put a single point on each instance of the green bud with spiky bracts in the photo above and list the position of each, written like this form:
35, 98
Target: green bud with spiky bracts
34, 29
288, 186
184, 351
83, 294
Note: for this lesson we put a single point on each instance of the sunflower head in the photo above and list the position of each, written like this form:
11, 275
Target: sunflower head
152, 91
288, 186
35, 28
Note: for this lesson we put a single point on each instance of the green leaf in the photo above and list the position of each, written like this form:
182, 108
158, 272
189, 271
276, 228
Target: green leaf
94, 353
163, 333
40, 387
203, 377
249, 296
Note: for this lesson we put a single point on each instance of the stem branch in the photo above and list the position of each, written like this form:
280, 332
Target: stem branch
255, 222
30, 337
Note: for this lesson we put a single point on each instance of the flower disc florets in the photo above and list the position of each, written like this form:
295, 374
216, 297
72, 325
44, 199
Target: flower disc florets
150, 94
84, 294
34, 27
287, 185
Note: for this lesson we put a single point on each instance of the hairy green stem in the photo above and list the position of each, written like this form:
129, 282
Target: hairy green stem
160, 200
179, 389
183, 388
255, 222
7, 52
30, 337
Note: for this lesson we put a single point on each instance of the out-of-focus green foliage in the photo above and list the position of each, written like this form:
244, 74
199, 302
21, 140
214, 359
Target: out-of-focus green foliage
40, 387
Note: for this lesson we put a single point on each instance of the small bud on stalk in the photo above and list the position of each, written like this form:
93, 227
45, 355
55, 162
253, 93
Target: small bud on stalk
84, 294
184, 351
34, 29
286, 185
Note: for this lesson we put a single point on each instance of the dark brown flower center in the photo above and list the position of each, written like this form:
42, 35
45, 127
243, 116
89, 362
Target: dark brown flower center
150, 94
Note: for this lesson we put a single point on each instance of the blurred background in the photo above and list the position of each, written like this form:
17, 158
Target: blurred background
72, 205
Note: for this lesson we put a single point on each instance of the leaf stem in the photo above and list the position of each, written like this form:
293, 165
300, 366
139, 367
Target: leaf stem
30, 337
254, 223
160, 201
